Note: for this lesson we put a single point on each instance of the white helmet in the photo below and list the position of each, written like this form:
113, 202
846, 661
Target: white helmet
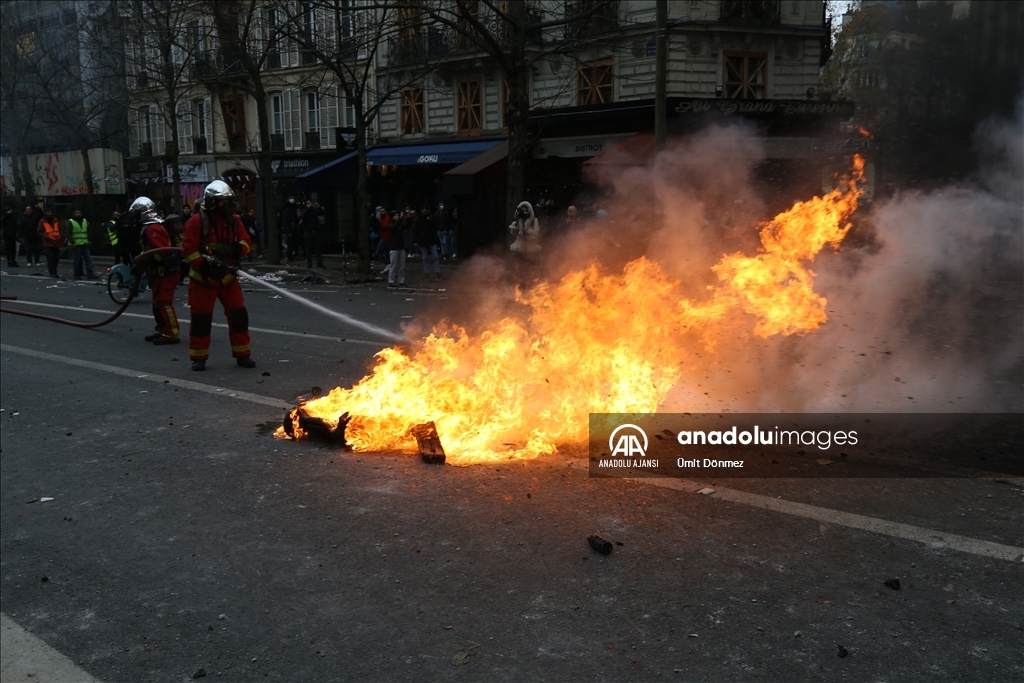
142, 205
218, 189
150, 218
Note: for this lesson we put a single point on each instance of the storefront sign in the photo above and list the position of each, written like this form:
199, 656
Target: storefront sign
585, 146
190, 173
144, 170
290, 167
759, 108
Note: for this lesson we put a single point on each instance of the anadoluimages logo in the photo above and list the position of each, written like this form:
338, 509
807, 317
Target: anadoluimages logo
628, 443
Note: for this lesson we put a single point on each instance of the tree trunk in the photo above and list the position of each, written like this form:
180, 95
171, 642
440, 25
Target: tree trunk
90, 191
26, 175
518, 142
518, 114
265, 163
362, 191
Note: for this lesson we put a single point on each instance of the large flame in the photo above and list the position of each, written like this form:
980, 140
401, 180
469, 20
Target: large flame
590, 342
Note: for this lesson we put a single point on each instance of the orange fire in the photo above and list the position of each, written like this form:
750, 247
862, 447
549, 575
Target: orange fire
865, 132
590, 342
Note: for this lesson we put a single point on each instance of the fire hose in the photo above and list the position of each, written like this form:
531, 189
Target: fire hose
132, 292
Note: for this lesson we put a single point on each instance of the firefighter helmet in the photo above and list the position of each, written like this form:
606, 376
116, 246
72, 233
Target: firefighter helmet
218, 189
143, 205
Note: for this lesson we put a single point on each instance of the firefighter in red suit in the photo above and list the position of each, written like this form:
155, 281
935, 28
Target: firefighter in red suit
164, 273
215, 238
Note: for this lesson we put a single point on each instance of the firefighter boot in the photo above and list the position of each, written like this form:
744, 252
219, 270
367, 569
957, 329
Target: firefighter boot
245, 362
199, 364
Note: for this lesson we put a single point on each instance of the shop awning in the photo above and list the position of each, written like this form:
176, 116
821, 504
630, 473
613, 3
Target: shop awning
460, 179
451, 152
338, 174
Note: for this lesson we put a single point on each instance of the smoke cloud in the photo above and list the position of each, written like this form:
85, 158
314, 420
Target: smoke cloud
925, 296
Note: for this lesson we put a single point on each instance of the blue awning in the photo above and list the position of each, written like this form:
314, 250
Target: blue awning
338, 174
452, 152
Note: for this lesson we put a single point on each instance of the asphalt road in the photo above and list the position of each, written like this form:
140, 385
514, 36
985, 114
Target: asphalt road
181, 537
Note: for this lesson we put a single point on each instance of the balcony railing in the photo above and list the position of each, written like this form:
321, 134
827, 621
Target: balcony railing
751, 12
439, 42
312, 140
277, 142
595, 17
210, 64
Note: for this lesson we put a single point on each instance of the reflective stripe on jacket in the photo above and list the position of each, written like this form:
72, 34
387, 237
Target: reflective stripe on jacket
50, 232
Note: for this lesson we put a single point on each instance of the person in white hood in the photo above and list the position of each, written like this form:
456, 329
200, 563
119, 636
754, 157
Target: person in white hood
526, 229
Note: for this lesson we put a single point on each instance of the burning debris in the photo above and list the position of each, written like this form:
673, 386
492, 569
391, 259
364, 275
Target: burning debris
298, 424
589, 340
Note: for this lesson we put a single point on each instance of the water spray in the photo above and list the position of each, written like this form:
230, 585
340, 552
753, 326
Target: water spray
347, 319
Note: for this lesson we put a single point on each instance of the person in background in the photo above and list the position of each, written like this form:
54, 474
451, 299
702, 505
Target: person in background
396, 271
29, 226
311, 235
383, 250
216, 240
441, 220
10, 232
120, 253
289, 218
251, 227
427, 241
49, 233
80, 246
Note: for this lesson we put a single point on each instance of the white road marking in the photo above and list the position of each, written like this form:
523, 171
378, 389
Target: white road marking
930, 537
149, 377
24, 657
344, 340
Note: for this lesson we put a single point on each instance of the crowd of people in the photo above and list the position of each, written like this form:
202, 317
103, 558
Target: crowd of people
395, 233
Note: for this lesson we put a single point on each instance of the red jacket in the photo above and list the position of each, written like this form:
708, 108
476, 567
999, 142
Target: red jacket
220, 232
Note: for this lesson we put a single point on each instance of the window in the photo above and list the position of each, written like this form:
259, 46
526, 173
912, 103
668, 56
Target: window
277, 114
350, 114
312, 121
745, 75
309, 26
203, 126
469, 116
273, 39
411, 110
594, 82
312, 112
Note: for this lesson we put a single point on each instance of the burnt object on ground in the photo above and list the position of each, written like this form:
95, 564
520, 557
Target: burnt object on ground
600, 545
299, 424
429, 442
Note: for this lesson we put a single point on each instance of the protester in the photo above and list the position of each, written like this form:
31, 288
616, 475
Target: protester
10, 232
383, 250
428, 243
289, 217
252, 227
215, 240
80, 246
526, 229
311, 227
49, 230
29, 227
396, 271
441, 222
163, 273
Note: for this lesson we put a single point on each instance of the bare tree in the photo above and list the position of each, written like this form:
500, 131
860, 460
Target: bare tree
18, 122
517, 35
79, 85
249, 36
159, 64
344, 37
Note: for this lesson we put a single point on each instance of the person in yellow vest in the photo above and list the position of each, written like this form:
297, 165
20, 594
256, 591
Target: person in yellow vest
80, 246
49, 231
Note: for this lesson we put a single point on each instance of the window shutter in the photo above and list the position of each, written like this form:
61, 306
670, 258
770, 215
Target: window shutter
296, 118
159, 130
291, 45
256, 34
131, 60
208, 124
359, 17
329, 118
325, 34
133, 132
185, 127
